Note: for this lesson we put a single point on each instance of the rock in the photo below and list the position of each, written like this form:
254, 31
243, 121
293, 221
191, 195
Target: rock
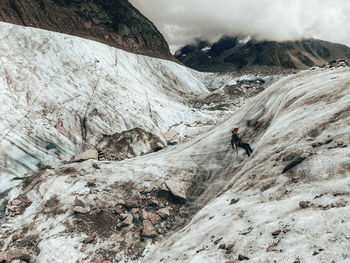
135, 210
131, 203
91, 184
97, 259
96, 166
79, 260
136, 216
123, 216
234, 200
164, 213
177, 189
217, 241
241, 258
154, 218
143, 214
135, 213
15, 202
118, 211
148, 229
2, 256
222, 246
78, 201
76, 246
200, 250
32, 258
127, 221
230, 246
15, 237
270, 248
90, 239
171, 136
83, 249
81, 210
152, 202
89, 154
120, 202
147, 190
303, 204
21, 254
276, 233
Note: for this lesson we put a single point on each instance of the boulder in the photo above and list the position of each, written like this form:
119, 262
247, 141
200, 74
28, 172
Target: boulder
128, 220
303, 204
21, 254
154, 218
241, 258
89, 154
276, 233
143, 214
90, 239
78, 201
164, 212
81, 210
148, 229
177, 189
171, 136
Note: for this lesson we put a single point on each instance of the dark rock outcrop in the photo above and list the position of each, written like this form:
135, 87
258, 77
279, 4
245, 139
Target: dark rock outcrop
237, 53
128, 144
116, 23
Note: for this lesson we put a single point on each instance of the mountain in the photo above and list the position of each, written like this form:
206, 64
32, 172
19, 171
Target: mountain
194, 201
241, 53
116, 22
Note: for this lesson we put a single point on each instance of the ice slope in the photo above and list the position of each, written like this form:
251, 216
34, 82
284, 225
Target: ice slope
305, 115
241, 201
57, 91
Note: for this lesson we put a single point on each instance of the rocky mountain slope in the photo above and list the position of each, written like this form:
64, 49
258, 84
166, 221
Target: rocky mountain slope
116, 23
239, 53
196, 201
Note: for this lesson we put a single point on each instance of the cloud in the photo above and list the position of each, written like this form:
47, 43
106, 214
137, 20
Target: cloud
183, 21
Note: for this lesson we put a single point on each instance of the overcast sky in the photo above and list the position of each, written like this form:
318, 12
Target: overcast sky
182, 21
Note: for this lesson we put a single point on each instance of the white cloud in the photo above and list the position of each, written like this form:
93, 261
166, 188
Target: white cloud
182, 21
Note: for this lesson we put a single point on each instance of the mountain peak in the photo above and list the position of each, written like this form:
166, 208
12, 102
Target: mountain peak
244, 52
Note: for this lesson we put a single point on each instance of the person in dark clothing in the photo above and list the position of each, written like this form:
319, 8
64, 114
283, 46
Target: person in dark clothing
237, 142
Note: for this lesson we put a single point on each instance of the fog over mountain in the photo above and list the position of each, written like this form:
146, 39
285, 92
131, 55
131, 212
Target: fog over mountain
184, 21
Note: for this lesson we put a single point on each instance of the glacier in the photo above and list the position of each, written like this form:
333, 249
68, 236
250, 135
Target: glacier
235, 207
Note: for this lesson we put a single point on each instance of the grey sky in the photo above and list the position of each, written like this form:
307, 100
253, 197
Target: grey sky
182, 21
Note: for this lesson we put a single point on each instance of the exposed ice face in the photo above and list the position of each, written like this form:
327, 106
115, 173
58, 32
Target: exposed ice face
58, 91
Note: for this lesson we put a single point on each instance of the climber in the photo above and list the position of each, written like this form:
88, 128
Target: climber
237, 142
